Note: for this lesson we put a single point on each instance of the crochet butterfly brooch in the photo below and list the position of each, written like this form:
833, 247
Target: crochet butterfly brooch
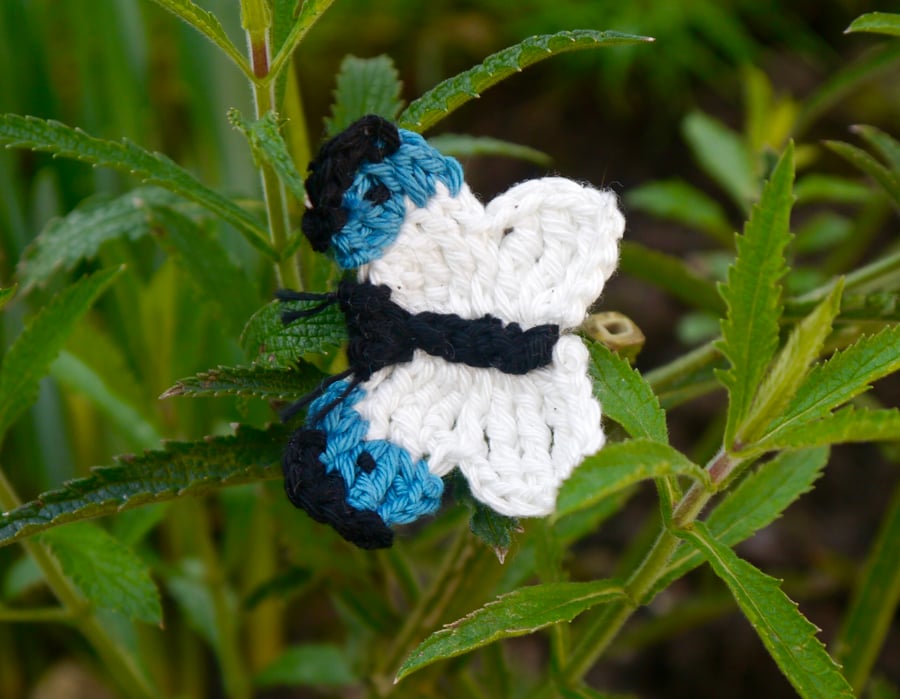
460, 352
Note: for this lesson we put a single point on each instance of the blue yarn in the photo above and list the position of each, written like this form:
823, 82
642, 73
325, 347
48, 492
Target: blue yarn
398, 489
413, 171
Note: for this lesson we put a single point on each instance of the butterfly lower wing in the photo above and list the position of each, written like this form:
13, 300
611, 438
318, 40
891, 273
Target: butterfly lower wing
515, 438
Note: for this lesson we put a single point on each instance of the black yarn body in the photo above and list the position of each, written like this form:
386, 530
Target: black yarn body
381, 333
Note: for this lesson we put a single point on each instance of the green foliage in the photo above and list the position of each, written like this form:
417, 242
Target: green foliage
155, 168
806, 326
105, 571
753, 295
364, 86
26, 361
786, 633
454, 92
524, 611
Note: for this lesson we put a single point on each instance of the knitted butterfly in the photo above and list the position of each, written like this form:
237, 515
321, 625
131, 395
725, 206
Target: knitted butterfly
459, 352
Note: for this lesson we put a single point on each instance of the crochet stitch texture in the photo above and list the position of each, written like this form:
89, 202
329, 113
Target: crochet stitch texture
460, 352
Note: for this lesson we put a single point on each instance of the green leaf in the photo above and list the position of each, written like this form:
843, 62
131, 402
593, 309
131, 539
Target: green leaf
191, 592
888, 147
753, 294
493, 529
722, 155
258, 382
209, 26
76, 375
465, 146
264, 136
785, 632
452, 93
155, 168
618, 466
670, 274
518, 613
364, 86
7, 295
874, 602
30, 355
182, 468
847, 425
268, 341
210, 270
310, 12
890, 181
625, 396
105, 571
816, 188
876, 23
754, 504
843, 377
791, 366
310, 664
676, 200
66, 241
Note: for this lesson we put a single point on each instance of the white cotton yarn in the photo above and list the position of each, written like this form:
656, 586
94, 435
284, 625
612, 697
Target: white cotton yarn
538, 254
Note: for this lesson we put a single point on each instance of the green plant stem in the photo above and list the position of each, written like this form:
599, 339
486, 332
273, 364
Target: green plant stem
605, 627
35, 615
427, 612
120, 664
273, 190
231, 659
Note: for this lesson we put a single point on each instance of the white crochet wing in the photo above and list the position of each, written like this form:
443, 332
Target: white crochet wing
538, 254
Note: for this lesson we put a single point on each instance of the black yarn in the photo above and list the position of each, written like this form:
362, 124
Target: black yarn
370, 139
324, 495
382, 333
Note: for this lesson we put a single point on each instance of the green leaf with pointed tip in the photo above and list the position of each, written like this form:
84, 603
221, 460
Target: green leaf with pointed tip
722, 155
843, 377
452, 93
105, 571
26, 362
874, 604
465, 146
785, 632
754, 504
619, 466
817, 188
890, 181
268, 341
182, 468
258, 382
309, 664
847, 425
676, 200
7, 294
209, 26
310, 13
518, 613
625, 396
78, 235
212, 273
888, 147
364, 86
876, 23
753, 294
791, 366
155, 168
670, 274
492, 528
264, 137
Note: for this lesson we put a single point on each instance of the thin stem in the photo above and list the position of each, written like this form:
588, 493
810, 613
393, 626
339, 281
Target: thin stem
120, 664
427, 612
606, 626
35, 615
264, 100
